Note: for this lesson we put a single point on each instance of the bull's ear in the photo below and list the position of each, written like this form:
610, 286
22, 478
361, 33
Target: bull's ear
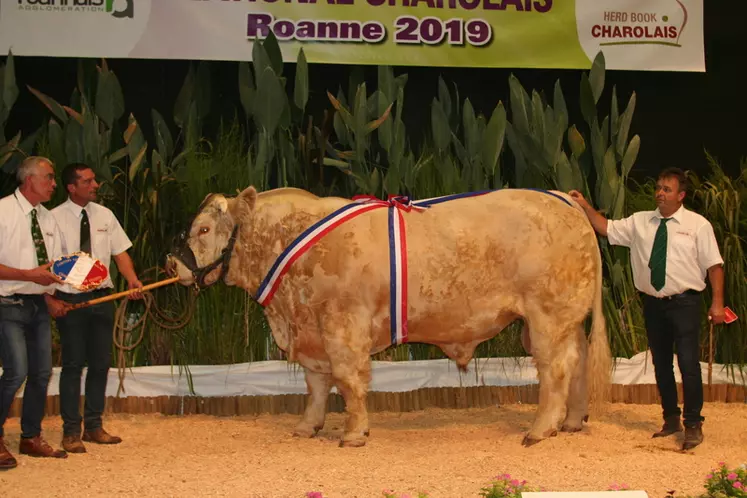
221, 203
248, 197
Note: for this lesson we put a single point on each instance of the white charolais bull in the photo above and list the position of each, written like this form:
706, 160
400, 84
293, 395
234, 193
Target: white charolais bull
467, 268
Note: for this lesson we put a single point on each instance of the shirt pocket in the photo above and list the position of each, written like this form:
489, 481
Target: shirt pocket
682, 246
100, 237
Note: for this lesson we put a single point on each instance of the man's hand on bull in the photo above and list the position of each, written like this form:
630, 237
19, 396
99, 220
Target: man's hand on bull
579, 197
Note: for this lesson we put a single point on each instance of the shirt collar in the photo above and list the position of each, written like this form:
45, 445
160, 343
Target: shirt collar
76, 209
26, 206
676, 216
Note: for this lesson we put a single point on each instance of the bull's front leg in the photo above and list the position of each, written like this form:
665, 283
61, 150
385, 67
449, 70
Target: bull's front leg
347, 341
318, 385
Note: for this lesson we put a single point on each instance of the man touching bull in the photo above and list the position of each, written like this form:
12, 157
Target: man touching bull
672, 250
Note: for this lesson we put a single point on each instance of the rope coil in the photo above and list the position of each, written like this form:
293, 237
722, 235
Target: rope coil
123, 330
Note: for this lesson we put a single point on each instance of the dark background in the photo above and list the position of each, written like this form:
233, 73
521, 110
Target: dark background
678, 114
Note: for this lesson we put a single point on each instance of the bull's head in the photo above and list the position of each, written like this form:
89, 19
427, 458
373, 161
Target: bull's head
202, 253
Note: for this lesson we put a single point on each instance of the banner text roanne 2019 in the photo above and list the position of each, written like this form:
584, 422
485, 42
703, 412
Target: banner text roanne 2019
408, 30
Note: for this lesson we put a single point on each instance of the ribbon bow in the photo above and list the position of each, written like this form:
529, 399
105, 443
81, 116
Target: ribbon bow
401, 202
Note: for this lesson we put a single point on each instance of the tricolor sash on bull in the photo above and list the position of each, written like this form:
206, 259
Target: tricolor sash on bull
397, 204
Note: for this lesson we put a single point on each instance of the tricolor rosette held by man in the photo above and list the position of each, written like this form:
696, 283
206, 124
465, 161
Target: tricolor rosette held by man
80, 270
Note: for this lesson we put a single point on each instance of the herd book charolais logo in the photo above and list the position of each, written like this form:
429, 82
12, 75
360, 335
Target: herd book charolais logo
108, 6
661, 27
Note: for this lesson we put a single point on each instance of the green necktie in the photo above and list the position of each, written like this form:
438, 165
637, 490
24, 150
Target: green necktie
658, 260
36, 233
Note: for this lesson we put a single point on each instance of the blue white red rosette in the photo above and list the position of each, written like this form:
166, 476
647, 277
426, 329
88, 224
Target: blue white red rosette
80, 271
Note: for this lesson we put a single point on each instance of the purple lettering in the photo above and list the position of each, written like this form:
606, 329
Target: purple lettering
516, 3
326, 29
542, 6
489, 5
305, 30
283, 29
350, 30
373, 32
469, 4
258, 22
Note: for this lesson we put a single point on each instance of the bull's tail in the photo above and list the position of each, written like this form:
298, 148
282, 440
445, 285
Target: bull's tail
599, 359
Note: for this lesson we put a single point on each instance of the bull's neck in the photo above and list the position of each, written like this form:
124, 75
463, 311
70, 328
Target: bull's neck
272, 229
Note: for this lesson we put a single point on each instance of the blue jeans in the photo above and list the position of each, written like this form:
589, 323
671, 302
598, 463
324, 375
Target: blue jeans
86, 338
675, 323
26, 353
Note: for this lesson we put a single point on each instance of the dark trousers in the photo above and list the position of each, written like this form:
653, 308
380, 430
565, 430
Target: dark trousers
676, 323
85, 339
26, 353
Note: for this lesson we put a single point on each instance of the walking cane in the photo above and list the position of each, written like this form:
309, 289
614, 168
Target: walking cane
710, 354
119, 295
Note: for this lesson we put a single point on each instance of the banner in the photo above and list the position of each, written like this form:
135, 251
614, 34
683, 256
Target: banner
659, 35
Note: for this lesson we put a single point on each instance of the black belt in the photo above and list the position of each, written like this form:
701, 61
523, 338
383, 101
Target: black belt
688, 292
82, 296
24, 296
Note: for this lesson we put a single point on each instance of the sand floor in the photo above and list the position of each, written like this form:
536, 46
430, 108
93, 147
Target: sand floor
444, 452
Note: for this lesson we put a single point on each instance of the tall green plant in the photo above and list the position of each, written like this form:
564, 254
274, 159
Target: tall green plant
467, 146
13, 150
720, 199
535, 136
541, 139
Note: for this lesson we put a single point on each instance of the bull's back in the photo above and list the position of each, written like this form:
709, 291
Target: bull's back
515, 222
498, 251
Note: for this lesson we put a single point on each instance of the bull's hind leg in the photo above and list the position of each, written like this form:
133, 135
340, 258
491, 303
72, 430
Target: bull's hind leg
348, 345
555, 351
578, 399
312, 422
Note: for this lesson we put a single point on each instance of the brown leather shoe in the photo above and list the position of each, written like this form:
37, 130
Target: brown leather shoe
7, 461
38, 447
671, 426
693, 436
100, 436
72, 444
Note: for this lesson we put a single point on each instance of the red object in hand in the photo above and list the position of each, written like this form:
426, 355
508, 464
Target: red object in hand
729, 315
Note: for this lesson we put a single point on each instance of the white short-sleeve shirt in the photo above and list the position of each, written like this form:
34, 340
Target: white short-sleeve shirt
107, 236
691, 249
17, 248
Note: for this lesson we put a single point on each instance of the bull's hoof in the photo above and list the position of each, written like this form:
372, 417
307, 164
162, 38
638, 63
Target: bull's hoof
304, 431
586, 418
529, 441
353, 443
367, 432
570, 428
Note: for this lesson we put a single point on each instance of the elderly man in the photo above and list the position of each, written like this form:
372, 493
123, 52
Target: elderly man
31, 240
672, 250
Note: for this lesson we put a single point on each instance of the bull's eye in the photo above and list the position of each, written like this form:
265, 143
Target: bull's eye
204, 230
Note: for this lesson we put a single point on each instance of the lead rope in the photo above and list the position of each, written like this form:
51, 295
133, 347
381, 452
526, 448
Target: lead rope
123, 330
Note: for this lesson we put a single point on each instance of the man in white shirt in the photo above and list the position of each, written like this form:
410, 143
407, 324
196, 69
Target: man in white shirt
86, 333
30, 241
672, 250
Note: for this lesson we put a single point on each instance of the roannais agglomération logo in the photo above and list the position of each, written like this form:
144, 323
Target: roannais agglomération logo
116, 8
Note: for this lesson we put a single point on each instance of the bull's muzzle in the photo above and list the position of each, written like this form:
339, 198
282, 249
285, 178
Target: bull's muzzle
182, 253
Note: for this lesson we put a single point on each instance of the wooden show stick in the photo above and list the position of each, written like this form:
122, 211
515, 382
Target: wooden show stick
119, 295
710, 354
